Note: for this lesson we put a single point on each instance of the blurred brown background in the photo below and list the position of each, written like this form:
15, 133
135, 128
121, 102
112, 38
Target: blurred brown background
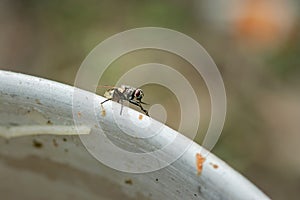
255, 43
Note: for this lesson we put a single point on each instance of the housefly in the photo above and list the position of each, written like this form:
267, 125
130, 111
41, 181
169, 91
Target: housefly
125, 93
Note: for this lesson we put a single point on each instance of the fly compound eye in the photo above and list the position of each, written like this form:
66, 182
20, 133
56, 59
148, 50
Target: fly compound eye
138, 93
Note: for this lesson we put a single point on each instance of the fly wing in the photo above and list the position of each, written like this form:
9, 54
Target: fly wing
125, 87
128, 93
121, 90
109, 93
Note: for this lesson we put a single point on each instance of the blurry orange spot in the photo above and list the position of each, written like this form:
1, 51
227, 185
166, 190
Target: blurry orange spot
79, 114
140, 117
199, 163
262, 21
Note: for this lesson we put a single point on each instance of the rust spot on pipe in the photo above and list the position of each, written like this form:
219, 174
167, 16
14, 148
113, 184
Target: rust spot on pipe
55, 143
140, 117
103, 112
128, 181
37, 144
37, 101
199, 163
214, 165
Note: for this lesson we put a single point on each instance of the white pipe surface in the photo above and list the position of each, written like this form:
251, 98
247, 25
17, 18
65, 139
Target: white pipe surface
30, 106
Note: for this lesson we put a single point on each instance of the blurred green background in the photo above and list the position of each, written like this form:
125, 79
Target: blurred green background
256, 45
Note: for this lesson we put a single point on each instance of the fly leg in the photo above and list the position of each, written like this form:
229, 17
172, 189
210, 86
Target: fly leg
139, 105
121, 102
105, 101
103, 110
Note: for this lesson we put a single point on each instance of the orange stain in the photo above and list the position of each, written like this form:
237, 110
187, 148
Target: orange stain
199, 163
140, 117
